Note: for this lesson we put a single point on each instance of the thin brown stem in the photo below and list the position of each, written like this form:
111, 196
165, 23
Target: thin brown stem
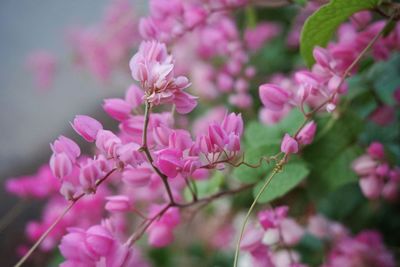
144, 148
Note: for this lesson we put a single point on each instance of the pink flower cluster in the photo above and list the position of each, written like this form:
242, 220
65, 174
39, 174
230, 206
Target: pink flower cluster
377, 177
276, 228
153, 67
167, 22
365, 249
325, 82
103, 47
98, 246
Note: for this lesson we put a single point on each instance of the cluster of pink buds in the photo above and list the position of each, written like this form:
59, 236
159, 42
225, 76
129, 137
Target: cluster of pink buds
167, 22
103, 47
153, 67
276, 228
321, 86
97, 246
356, 251
291, 145
377, 177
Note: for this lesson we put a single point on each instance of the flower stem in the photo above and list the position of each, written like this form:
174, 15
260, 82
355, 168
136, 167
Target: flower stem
276, 170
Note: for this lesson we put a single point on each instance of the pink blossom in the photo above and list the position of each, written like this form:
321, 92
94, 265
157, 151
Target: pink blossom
271, 218
371, 186
153, 67
273, 97
138, 177
67, 146
169, 161
117, 108
383, 115
289, 145
119, 203
160, 235
376, 150
86, 127
256, 37
364, 165
61, 165
307, 133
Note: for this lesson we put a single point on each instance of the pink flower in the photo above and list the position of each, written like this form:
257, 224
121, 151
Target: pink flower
289, 145
118, 203
169, 161
108, 143
376, 150
292, 232
86, 127
138, 177
307, 133
99, 240
257, 36
90, 172
371, 186
129, 154
134, 96
67, 146
117, 108
160, 235
61, 165
273, 97
73, 247
383, 115
251, 239
153, 67
364, 165
271, 218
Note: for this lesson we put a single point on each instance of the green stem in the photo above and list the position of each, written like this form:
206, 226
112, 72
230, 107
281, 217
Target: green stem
277, 169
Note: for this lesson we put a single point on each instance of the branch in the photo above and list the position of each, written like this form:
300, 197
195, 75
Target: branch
144, 148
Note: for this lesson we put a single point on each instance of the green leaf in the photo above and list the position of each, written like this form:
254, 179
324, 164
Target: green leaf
320, 27
291, 175
330, 156
258, 134
252, 155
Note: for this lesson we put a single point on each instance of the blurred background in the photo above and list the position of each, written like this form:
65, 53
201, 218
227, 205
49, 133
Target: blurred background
29, 118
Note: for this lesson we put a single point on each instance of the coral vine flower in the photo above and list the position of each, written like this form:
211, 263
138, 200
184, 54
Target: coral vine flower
153, 67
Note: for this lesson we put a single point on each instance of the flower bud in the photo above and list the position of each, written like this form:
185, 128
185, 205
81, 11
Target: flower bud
217, 136
134, 96
119, 203
289, 145
65, 145
273, 97
233, 123
307, 133
138, 177
271, 218
364, 165
160, 235
371, 186
376, 150
252, 238
90, 172
169, 162
60, 165
99, 240
86, 127
117, 108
